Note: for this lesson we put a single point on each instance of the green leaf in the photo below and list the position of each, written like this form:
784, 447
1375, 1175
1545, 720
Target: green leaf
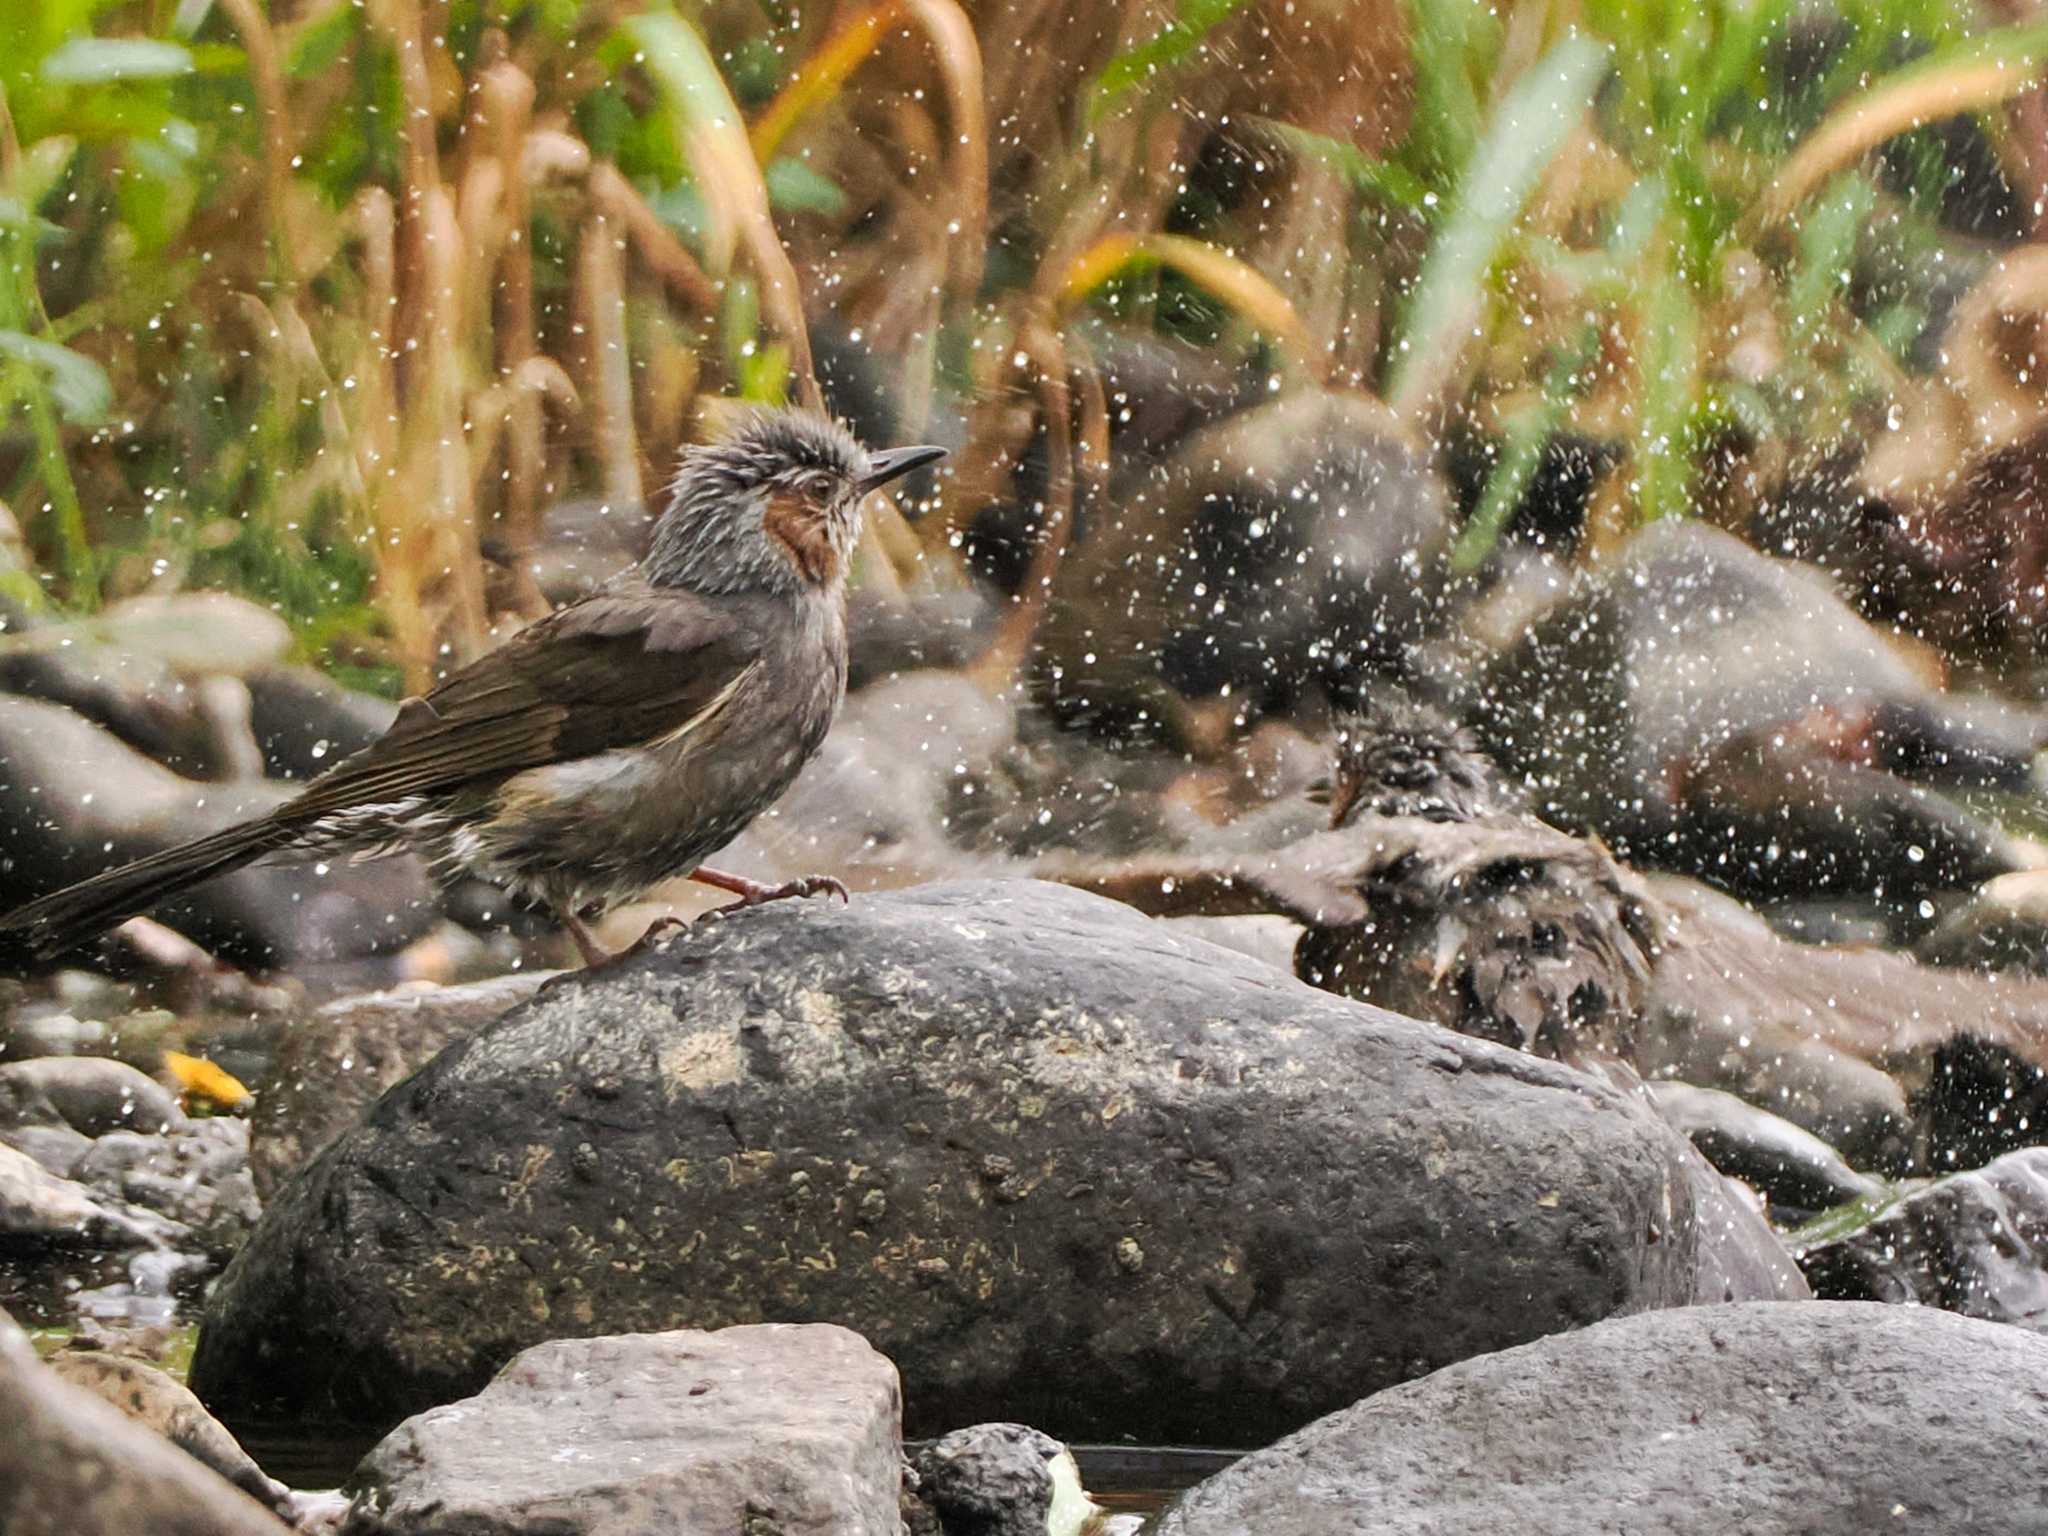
1829, 231
1528, 436
1369, 174
1667, 395
764, 375
77, 383
677, 57
802, 188
190, 16
1455, 45
320, 43
98, 60
1532, 124
1172, 43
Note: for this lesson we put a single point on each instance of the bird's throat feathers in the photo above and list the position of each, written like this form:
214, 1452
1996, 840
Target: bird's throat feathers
805, 537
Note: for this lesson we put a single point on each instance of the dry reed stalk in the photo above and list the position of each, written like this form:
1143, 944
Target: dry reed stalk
376, 435
960, 67
664, 389
997, 668
600, 282
266, 74
537, 380
822, 75
666, 256
420, 174
1865, 121
506, 100
445, 541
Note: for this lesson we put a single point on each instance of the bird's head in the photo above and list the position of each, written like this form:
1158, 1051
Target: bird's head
1395, 757
773, 508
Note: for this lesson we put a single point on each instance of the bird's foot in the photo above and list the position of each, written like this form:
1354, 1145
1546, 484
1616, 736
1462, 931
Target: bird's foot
752, 893
594, 954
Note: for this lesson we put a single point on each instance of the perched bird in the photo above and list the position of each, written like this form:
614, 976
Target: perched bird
617, 742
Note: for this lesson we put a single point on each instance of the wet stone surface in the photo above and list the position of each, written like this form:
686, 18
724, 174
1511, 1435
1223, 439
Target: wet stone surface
1974, 1243
1054, 1161
1822, 1418
787, 1429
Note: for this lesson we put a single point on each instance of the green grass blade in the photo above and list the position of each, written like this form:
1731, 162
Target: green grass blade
1172, 44
99, 60
77, 383
1669, 368
1377, 178
1533, 123
1528, 435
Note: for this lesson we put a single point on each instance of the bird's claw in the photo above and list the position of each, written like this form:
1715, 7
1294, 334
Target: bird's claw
803, 885
657, 928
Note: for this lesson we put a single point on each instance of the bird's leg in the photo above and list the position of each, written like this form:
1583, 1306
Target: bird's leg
594, 954
752, 893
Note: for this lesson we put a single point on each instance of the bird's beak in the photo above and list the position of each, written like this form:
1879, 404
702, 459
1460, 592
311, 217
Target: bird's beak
884, 467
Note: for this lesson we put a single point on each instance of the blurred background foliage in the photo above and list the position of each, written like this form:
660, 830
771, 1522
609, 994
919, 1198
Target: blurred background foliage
329, 300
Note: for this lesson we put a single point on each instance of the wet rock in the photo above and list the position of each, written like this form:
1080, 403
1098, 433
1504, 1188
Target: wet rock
1709, 708
1264, 937
31, 1031
305, 722
1227, 597
875, 804
57, 1147
74, 801
787, 1429
91, 1094
1974, 1243
198, 1176
1437, 895
1794, 1169
1014, 1134
72, 1465
1778, 811
1902, 1068
196, 726
584, 542
332, 1066
199, 632
927, 630
157, 1402
1001, 1480
2002, 926
38, 1206
1740, 1257
1818, 1418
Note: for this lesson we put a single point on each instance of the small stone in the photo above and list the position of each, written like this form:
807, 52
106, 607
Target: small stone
782, 1428
1130, 1258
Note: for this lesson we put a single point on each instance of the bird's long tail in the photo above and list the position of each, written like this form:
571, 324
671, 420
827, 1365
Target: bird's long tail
63, 920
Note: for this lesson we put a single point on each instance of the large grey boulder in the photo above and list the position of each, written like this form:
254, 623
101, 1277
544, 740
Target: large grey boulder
333, 1064
1710, 708
1828, 1419
1056, 1161
791, 1430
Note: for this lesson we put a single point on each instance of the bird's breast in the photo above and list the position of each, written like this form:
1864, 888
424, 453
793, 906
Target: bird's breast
629, 817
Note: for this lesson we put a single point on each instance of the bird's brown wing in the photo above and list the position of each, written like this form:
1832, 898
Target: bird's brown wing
616, 670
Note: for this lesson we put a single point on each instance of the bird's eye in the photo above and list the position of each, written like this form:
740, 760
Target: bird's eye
817, 485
